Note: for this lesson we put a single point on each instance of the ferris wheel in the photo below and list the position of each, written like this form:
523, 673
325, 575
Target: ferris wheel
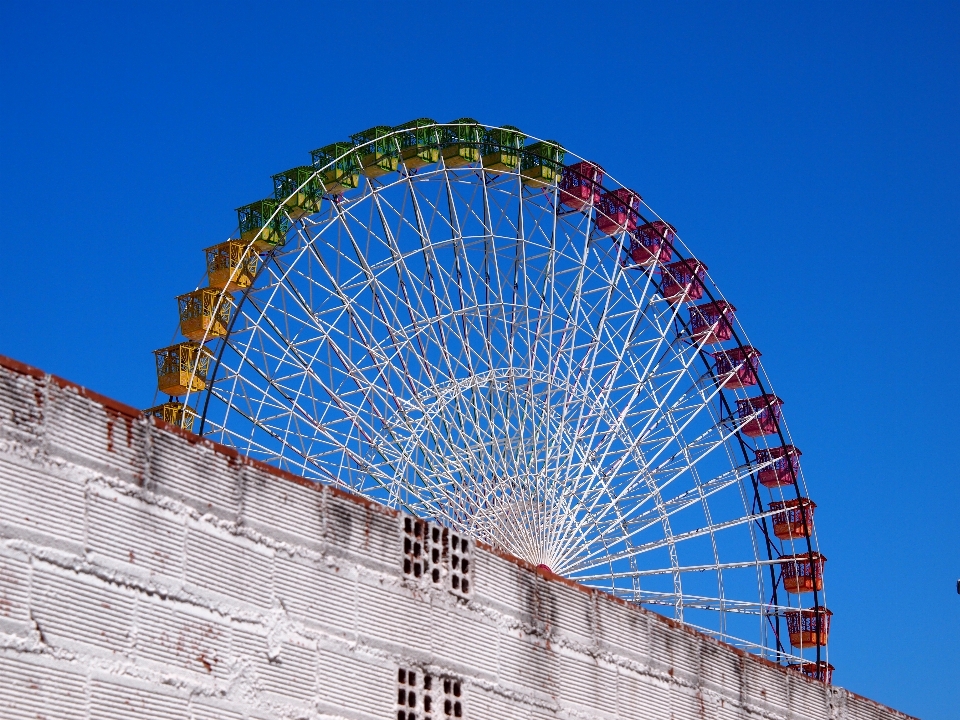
483, 329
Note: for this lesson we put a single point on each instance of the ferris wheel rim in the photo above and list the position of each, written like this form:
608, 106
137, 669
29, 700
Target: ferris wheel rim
710, 288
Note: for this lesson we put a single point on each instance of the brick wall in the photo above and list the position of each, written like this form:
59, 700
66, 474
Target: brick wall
145, 573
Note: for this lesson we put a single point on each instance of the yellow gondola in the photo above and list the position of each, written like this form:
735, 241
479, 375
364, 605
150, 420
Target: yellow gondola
175, 413
182, 368
230, 266
204, 314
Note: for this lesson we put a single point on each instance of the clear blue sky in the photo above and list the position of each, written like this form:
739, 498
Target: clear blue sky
807, 152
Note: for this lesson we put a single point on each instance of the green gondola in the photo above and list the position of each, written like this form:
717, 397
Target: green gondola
378, 150
344, 172
501, 148
255, 222
460, 142
419, 144
299, 191
542, 163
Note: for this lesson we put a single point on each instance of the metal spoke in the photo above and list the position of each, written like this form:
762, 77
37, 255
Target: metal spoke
459, 343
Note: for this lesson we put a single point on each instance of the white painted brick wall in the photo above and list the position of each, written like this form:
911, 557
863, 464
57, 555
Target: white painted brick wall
147, 574
464, 643
155, 549
220, 564
14, 586
318, 593
35, 686
81, 613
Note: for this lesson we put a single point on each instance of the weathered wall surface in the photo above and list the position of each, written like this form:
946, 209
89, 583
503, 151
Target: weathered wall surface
147, 574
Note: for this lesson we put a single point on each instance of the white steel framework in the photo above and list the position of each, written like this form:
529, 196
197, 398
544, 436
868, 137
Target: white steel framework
459, 344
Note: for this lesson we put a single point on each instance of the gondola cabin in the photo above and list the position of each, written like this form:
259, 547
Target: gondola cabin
760, 415
711, 322
801, 574
175, 413
541, 163
182, 368
618, 211
580, 185
822, 670
378, 151
500, 150
231, 266
794, 519
652, 243
264, 224
339, 166
204, 314
682, 281
778, 465
298, 190
419, 143
460, 142
737, 367
808, 628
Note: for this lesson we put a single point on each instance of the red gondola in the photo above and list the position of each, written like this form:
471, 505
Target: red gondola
795, 519
802, 626
822, 670
652, 243
683, 280
764, 414
711, 322
580, 184
800, 575
738, 365
782, 465
617, 211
